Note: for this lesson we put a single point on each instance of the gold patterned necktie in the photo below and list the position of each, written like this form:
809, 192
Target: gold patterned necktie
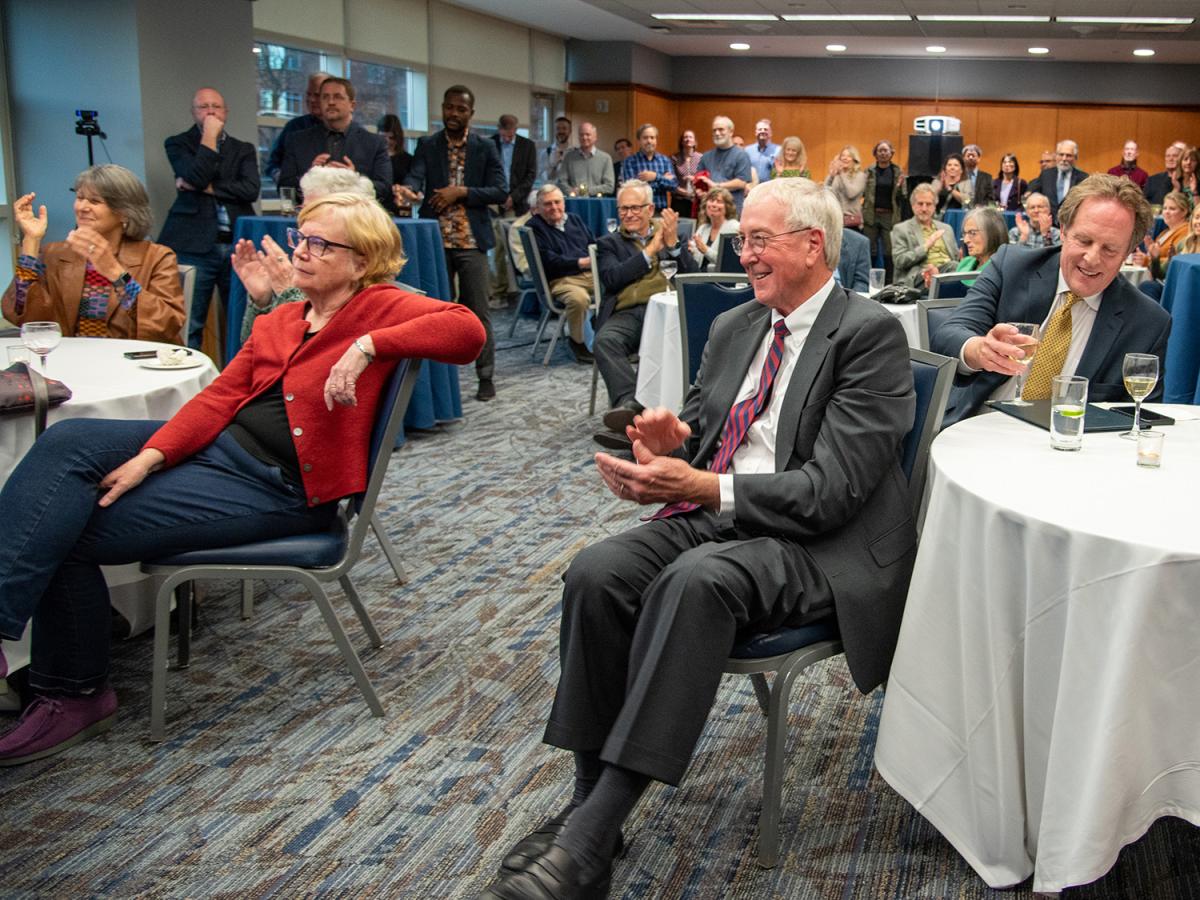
1051, 352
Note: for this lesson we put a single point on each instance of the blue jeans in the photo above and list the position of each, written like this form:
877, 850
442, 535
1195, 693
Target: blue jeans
213, 269
56, 537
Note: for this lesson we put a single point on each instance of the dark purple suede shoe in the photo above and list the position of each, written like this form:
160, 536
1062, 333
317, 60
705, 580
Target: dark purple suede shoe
52, 723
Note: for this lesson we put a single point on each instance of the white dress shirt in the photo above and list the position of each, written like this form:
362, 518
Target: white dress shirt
757, 452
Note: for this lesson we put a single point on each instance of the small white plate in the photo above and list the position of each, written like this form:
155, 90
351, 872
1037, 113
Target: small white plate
155, 364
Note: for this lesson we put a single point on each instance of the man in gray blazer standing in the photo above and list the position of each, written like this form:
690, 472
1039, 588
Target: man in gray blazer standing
785, 504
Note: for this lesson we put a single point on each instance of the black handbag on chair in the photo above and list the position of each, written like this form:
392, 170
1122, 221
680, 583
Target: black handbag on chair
23, 388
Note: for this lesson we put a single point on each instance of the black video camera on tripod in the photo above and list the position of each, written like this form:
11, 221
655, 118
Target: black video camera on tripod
87, 125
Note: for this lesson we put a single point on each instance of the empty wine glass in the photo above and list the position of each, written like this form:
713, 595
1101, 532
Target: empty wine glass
668, 267
1027, 337
41, 338
1140, 372
611, 225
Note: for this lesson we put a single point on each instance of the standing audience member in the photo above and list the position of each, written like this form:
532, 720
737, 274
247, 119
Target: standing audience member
1010, 187
622, 148
717, 217
586, 171
339, 142
392, 130
762, 152
1046, 160
951, 187
1162, 183
518, 159
563, 240
848, 181
687, 164
921, 246
979, 182
650, 166
216, 183
551, 158
772, 506
458, 175
105, 279
883, 199
1090, 317
1128, 166
1035, 227
792, 160
1056, 183
312, 100
727, 165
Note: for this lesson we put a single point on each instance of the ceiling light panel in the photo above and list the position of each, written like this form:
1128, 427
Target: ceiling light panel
715, 17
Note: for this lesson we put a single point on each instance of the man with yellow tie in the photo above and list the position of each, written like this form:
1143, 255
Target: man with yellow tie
1090, 316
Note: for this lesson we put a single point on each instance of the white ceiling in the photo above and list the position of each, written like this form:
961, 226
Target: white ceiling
630, 20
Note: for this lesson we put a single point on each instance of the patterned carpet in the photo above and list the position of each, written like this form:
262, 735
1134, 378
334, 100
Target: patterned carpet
276, 782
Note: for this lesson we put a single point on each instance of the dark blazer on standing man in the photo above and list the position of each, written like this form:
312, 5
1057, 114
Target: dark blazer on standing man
983, 189
231, 169
482, 175
1019, 284
367, 151
523, 172
851, 387
1047, 183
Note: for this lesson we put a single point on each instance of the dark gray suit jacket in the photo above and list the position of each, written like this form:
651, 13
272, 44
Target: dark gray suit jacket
1047, 183
854, 266
838, 491
367, 151
523, 172
620, 262
1019, 284
232, 170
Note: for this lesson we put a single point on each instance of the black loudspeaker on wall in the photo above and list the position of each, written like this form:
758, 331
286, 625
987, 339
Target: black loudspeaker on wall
926, 152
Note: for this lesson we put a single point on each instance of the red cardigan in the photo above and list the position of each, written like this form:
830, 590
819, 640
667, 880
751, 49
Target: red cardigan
332, 447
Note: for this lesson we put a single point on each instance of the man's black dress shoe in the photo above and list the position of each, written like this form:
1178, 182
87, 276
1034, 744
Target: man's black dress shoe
539, 841
582, 354
553, 875
619, 416
612, 441
487, 389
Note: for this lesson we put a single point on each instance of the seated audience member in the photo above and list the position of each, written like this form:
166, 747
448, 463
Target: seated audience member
1056, 183
1090, 317
272, 261
1189, 173
1128, 166
983, 234
848, 182
1010, 187
727, 165
718, 217
650, 166
1035, 227
883, 204
854, 267
312, 99
687, 164
1162, 183
792, 159
976, 182
764, 526
1176, 213
563, 240
630, 276
392, 130
921, 246
105, 279
586, 170
1189, 244
226, 469
952, 191
338, 142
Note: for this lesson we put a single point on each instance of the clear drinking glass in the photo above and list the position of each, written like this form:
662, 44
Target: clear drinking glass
668, 267
41, 338
612, 225
1027, 337
876, 280
18, 353
1140, 371
1068, 403
1150, 449
287, 201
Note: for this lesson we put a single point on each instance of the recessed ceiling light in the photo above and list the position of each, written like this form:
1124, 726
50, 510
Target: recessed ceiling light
851, 17
935, 49
1143, 51
1125, 20
715, 17
836, 48
739, 45
983, 18
1039, 51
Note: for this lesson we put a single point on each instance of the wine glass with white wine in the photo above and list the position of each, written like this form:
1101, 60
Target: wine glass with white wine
1140, 371
1027, 337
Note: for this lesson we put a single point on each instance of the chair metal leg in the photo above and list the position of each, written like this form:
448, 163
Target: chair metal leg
762, 691
595, 382
538, 337
158, 679
184, 596
389, 549
777, 728
363, 616
512, 329
562, 324
343, 644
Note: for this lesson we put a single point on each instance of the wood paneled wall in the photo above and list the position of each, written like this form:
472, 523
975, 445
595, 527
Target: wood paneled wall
826, 125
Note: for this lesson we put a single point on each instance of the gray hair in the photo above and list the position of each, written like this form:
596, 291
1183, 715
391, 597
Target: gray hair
642, 129
543, 192
534, 197
634, 184
991, 223
321, 181
978, 150
806, 204
123, 193
923, 188
1034, 194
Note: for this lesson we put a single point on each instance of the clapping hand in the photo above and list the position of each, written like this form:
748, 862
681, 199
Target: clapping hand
262, 272
1023, 226
32, 225
91, 245
659, 430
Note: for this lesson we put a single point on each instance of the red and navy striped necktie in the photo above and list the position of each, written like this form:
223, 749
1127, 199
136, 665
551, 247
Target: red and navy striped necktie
741, 417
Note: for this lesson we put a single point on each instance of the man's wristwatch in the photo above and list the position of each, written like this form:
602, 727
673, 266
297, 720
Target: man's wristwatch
122, 281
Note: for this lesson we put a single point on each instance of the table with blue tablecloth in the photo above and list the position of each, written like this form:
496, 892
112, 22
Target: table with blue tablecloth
595, 211
1181, 298
954, 218
436, 396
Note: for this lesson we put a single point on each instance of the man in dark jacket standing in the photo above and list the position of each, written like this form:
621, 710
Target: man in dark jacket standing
216, 179
456, 175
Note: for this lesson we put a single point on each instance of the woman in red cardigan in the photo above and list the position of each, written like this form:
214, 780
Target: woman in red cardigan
264, 451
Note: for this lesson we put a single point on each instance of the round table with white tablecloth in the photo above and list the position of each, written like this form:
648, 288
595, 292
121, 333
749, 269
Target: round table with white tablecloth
1040, 709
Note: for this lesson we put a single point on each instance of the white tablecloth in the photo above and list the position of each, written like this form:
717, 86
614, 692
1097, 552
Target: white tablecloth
660, 361
104, 385
1135, 275
1041, 707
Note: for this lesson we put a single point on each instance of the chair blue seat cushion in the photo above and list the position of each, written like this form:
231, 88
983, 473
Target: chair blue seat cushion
305, 551
786, 640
